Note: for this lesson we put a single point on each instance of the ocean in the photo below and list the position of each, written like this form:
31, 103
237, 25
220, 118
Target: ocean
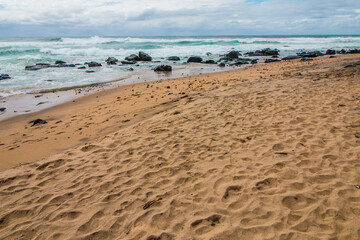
16, 53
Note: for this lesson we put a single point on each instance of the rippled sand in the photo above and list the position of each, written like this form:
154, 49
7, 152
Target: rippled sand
267, 152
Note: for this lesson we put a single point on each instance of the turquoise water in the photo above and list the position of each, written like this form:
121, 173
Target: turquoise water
16, 53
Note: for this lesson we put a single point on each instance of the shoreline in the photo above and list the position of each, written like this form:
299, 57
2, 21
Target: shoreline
269, 151
29, 102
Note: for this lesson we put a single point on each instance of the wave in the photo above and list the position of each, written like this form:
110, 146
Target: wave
10, 51
94, 51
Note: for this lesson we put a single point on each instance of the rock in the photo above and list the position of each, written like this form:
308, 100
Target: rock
43, 64
264, 52
233, 54
342, 51
37, 121
111, 61
144, 57
33, 68
132, 58
210, 62
4, 76
275, 56
130, 69
39, 66
310, 54
221, 64
82, 67
173, 58
306, 60
128, 62
239, 62
61, 65
93, 64
162, 68
60, 62
195, 59
332, 57
208, 54
254, 61
271, 60
90, 71
354, 51
330, 52
37, 96
2, 109
291, 57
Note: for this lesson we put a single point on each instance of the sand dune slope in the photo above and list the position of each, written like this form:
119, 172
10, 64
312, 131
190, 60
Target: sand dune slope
260, 159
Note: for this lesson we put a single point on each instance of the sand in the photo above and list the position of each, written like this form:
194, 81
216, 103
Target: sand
267, 152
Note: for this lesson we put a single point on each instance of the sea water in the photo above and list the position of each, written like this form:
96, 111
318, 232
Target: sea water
16, 53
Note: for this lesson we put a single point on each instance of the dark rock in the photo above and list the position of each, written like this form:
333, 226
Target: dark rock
128, 62
173, 58
239, 62
34, 68
254, 61
208, 54
162, 68
4, 76
210, 62
332, 57
144, 57
350, 66
354, 51
264, 52
2, 109
82, 67
111, 61
275, 56
342, 51
130, 69
43, 64
132, 57
310, 54
233, 54
61, 65
89, 71
221, 64
306, 59
60, 62
330, 52
93, 64
291, 57
37, 96
195, 59
37, 121
271, 60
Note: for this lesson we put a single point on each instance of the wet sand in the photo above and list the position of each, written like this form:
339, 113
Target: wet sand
267, 152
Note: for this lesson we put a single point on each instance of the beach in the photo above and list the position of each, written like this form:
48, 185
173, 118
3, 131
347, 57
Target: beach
269, 151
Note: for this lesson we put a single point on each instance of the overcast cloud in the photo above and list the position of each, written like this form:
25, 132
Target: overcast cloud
174, 17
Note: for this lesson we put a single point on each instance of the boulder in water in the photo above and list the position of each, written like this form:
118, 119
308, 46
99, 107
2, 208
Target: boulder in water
93, 64
173, 58
195, 59
4, 76
144, 57
132, 58
264, 52
163, 68
111, 61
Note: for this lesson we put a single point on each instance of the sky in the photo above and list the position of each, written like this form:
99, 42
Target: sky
55, 18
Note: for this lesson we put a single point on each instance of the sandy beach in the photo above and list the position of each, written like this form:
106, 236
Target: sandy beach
271, 151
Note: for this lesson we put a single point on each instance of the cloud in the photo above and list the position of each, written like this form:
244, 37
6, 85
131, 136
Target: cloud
210, 17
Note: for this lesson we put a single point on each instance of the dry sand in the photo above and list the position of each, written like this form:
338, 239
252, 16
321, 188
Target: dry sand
267, 152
